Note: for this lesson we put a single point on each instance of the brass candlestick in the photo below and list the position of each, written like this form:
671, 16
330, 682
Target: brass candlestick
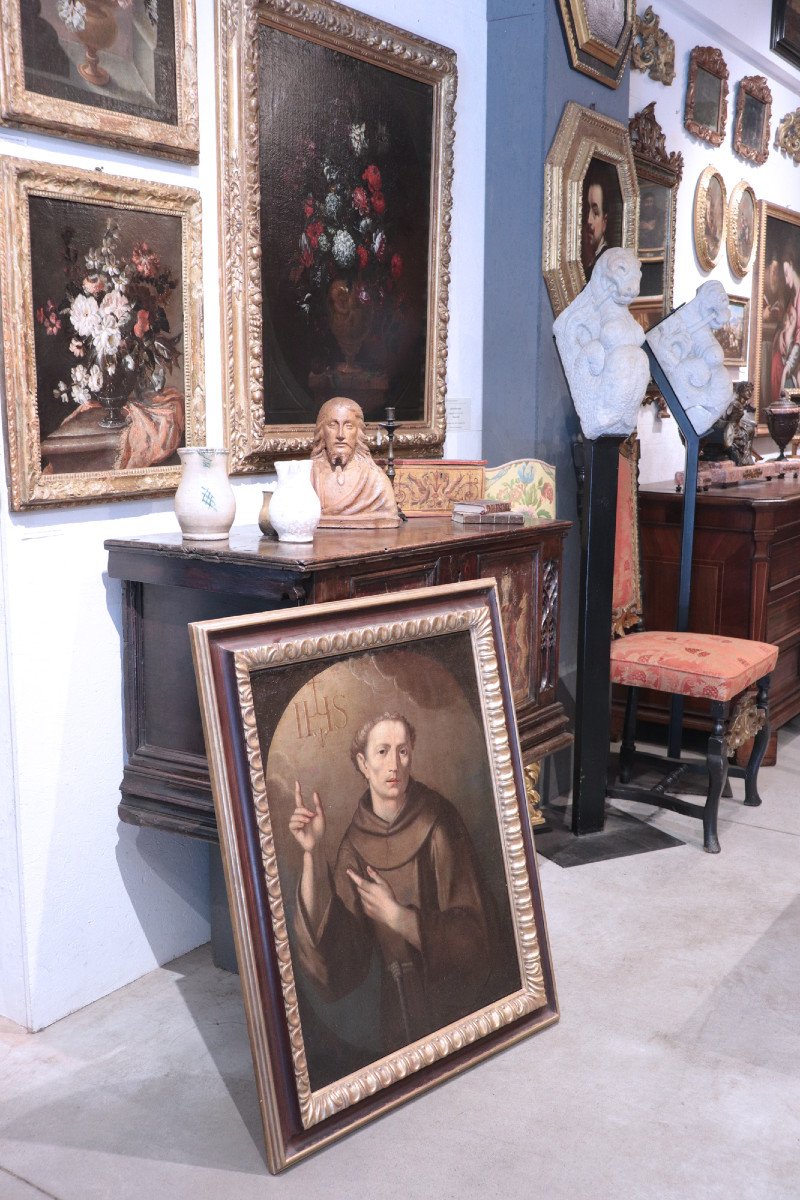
390, 425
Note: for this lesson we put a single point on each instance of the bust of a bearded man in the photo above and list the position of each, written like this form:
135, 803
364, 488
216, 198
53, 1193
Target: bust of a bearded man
353, 490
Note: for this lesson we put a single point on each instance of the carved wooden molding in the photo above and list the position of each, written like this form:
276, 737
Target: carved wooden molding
649, 144
787, 135
757, 88
709, 59
746, 720
653, 49
655, 165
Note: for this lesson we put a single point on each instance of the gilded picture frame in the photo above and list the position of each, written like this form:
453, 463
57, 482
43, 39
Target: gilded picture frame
659, 174
110, 73
751, 126
710, 217
598, 35
102, 301
312, 305
590, 159
785, 30
316, 693
742, 223
774, 351
706, 110
734, 336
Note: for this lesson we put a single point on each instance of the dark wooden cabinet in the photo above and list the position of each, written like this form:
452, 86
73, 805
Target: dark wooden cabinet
745, 577
168, 583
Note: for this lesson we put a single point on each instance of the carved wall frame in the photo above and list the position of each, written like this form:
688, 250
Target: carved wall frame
787, 135
297, 1118
756, 88
253, 441
655, 165
759, 300
740, 262
28, 109
30, 485
710, 60
653, 49
589, 51
707, 255
582, 135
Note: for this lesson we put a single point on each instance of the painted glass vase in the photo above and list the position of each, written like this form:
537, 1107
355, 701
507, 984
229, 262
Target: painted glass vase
204, 502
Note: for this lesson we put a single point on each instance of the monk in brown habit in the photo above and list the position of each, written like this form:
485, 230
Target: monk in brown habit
406, 884
353, 490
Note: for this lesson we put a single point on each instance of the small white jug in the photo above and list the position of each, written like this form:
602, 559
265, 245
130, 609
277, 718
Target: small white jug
294, 510
204, 502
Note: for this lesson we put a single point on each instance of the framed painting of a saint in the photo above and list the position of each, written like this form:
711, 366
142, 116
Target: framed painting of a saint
775, 306
751, 123
387, 910
335, 206
115, 72
741, 228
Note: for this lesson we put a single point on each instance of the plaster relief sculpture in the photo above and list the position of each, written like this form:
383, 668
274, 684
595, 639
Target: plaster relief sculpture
692, 358
600, 347
353, 490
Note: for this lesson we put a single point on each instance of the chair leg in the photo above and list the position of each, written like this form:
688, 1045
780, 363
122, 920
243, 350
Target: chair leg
751, 796
628, 747
717, 761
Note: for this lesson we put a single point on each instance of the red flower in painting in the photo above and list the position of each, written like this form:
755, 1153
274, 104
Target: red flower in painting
48, 317
379, 204
361, 201
372, 178
145, 260
313, 233
308, 206
547, 492
363, 256
396, 266
142, 322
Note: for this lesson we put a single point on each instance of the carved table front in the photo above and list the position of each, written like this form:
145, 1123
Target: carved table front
167, 583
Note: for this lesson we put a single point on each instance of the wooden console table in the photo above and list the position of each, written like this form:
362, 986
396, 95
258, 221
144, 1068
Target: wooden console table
745, 577
167, 583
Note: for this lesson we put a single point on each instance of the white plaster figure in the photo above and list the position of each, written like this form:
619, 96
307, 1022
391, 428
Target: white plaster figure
692, 358
600, 347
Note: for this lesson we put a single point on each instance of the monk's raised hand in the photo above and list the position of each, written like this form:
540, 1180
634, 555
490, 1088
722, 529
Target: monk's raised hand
307, 824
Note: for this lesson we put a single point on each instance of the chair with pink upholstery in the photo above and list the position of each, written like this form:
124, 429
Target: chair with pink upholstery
722, 670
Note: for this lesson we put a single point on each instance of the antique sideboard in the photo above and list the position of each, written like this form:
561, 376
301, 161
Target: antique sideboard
745, 577
168, 582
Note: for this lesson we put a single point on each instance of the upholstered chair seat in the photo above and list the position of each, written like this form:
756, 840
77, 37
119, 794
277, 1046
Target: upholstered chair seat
690, 664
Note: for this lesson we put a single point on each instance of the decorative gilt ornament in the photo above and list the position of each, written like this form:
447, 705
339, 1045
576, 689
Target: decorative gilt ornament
787, 135
533, 795
653, 49
709, 217
648, 142
753, 113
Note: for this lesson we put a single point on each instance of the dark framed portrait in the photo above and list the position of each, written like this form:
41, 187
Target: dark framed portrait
706, 111
733, 335
710, 215
598, 35
659, 173
775, 305
785, 31
751, 124
104, 354
116, 72
389, 924
591, 196
344, 188
741, 228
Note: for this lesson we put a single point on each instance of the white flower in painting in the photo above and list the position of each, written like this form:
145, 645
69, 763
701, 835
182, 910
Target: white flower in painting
76, 348
379, 244
128, 362
85, 315
81, 395
107, 338
344, 248
95, 380
72, 13
324, 243
332, 206
358, 138
365, 226
61, 392
80, 376
111, 367
116, 304
330, 171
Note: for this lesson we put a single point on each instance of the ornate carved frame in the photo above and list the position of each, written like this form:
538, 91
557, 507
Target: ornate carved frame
253, 441
298, 1120
765, 211
29, 485
787, 135
655, 165
591, 54
707, 58
707, 262
738, 265
29, 109
741, 360
653, 49
757, 88
582, 134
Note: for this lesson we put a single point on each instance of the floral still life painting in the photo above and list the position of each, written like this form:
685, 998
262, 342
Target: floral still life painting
106, 364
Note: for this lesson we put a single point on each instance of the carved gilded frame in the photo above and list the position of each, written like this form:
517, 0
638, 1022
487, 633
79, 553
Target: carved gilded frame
710, 60
756, 88
582, 135
20, 106
766, 308
655, 166
30, 485
253, 440
739, 262
708, 256
589, 51
297, 1119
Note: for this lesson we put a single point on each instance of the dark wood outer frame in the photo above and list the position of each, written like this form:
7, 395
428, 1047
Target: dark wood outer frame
31, 110
757, 88
778, 40
707, 58
765, 211
655, 165
258, 938
253, 442
592, 55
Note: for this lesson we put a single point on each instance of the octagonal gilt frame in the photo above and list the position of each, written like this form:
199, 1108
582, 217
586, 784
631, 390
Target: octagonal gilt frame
591, 53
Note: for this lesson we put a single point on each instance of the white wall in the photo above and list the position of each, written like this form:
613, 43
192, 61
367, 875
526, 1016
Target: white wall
744, 42
87, 903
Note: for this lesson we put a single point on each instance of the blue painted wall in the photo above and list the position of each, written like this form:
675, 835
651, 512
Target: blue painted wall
527, 410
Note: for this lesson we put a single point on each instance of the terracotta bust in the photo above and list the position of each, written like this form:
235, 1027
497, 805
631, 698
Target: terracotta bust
353, 490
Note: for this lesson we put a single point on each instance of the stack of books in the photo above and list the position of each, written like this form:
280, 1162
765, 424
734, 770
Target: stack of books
486, 512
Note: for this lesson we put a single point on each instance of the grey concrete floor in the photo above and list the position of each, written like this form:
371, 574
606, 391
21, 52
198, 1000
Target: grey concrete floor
674, 1073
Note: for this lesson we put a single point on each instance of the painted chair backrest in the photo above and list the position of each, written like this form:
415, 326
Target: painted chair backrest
527, 483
